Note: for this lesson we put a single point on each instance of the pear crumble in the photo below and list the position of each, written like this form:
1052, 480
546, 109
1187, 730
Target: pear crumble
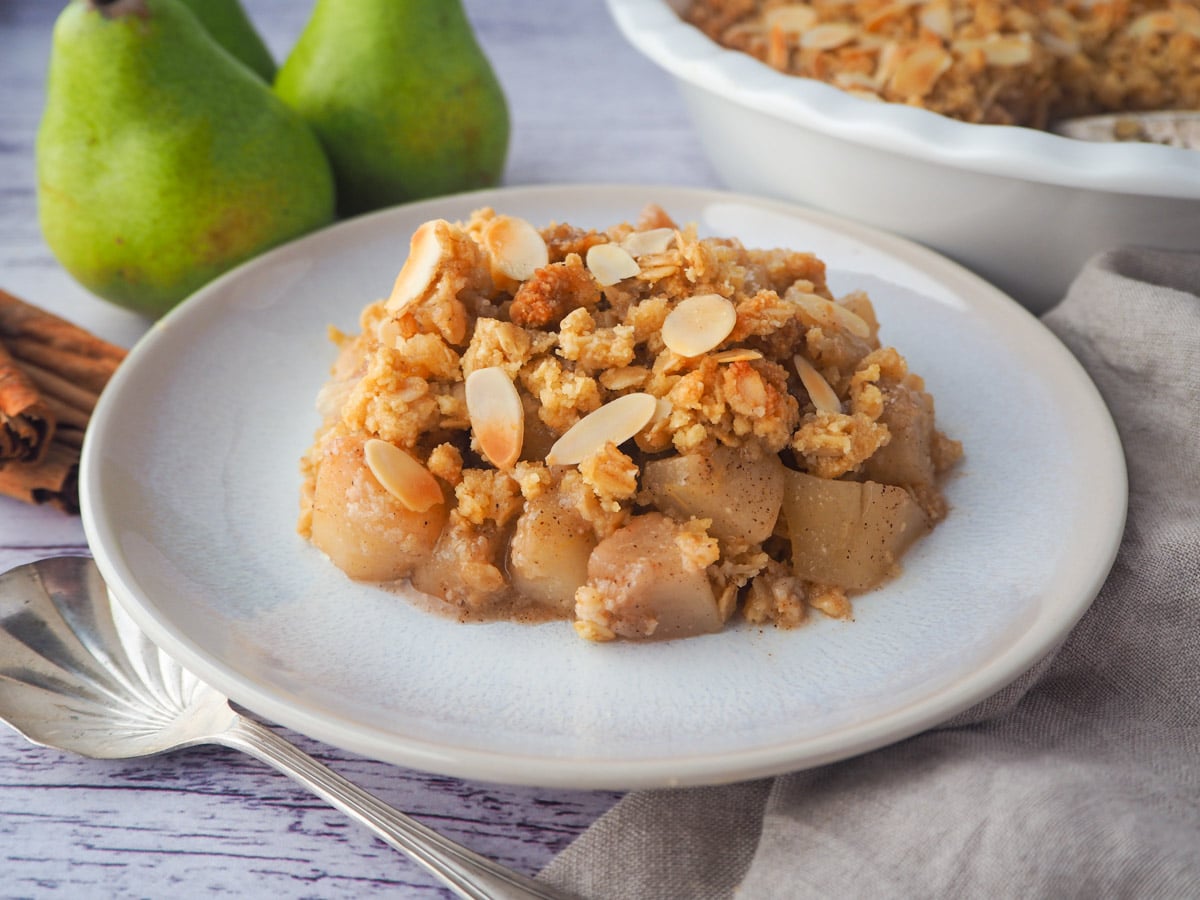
640, 430
1006, 62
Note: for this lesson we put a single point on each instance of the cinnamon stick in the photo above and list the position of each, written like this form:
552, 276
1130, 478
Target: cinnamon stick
26, 422
57, 369
24, 321
53, 481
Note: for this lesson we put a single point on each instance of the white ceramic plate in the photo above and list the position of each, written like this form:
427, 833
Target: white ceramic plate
189, 492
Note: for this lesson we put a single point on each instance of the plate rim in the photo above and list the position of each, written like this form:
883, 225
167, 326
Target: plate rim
596, 772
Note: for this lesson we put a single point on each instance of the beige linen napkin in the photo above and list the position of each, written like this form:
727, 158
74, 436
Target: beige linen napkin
1080, 780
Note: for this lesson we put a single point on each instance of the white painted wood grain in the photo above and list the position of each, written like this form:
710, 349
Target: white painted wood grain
585, 108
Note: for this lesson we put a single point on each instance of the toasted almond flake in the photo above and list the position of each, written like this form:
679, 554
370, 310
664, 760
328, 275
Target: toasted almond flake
1159, 22
648, 243
1008, 51
1062, 22
515, 248
883, 16
497, 416
1059, 46
834, 314
657, 273
662, 410
610, 263
698, 324
864, 94
779, 51
919, 71
829, 36
936, 19
851, 81
425, 253
616, 421
741, 30
792, 18
819, 391
736, 354
402, 476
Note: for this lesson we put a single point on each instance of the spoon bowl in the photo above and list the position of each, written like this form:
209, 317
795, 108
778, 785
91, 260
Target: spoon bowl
77, 674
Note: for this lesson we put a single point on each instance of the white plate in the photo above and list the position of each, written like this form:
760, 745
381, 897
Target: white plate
189, 490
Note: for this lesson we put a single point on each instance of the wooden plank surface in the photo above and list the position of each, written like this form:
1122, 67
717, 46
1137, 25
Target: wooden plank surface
585, 108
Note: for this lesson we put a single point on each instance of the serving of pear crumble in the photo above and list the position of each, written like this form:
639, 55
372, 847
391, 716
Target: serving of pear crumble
642, 431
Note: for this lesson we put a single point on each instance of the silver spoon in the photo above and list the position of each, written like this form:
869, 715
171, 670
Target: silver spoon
77, 674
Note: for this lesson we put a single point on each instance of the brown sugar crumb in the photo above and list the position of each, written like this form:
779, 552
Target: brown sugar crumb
553, 292
650, 487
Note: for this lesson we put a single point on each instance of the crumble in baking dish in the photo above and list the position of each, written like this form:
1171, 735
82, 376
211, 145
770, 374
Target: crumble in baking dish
1007, 62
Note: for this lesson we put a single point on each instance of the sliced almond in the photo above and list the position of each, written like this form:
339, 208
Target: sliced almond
419, 271
919, 71
889, 61
402, 476
1061, 22
854, 81
616, 421
1060, 46
1016, 50
698, 324
515, 248
791, 18
834, 314
882, 17
937, 19
736, 354
657, 273
829, 36
819, 391
1158, 22
497, 416
610, 263
648, 243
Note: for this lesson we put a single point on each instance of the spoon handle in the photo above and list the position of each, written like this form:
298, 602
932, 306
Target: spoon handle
467, 873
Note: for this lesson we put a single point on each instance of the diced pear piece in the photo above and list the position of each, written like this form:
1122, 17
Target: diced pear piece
368, 533
906, 459
548, 556
847, 533
741, 494
465, 567
650, 588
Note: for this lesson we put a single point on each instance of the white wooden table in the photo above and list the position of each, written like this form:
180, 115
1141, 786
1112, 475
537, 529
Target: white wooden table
585, 108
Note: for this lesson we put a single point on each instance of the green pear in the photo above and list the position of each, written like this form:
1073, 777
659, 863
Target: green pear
162, 161
402, 97
227, 21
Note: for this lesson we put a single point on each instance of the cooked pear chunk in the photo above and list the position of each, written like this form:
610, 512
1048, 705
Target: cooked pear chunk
367, 532
548, 556
847, 533
907, 458
739, 492
643, 582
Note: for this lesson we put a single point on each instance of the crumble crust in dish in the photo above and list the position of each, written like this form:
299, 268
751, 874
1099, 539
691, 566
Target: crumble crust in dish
1006, 62
637, 429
